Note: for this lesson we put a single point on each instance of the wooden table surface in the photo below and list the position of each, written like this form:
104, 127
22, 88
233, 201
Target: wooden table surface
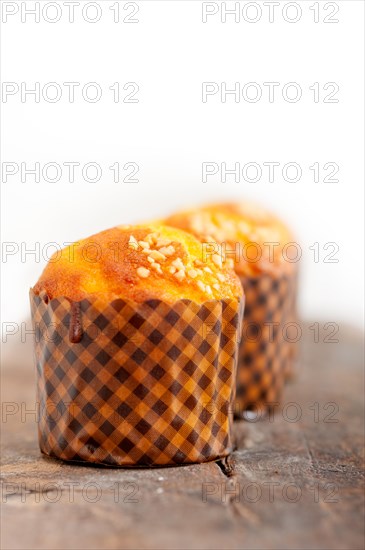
295, 480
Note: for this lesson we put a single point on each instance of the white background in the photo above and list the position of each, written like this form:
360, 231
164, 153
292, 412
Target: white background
170, 132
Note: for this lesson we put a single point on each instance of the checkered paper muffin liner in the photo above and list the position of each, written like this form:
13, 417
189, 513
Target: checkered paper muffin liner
268, 349
148, 384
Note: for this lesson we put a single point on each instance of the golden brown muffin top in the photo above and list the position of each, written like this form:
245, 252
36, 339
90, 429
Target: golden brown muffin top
256, 236
138, 263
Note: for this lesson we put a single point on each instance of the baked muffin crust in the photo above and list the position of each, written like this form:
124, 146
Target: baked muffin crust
139, 263
261, 240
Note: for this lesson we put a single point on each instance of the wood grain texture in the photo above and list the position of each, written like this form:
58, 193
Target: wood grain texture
292, 483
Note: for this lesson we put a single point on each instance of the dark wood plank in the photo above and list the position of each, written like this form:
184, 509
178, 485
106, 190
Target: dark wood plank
290, 484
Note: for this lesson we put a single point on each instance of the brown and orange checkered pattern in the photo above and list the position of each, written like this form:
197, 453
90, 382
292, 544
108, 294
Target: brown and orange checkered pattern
148, 384
268, 351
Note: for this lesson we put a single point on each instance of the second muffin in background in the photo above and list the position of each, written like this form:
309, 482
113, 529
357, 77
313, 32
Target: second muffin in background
260, 247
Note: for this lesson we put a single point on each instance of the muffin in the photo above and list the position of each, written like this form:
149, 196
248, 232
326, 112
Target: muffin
264, 256
137, 350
